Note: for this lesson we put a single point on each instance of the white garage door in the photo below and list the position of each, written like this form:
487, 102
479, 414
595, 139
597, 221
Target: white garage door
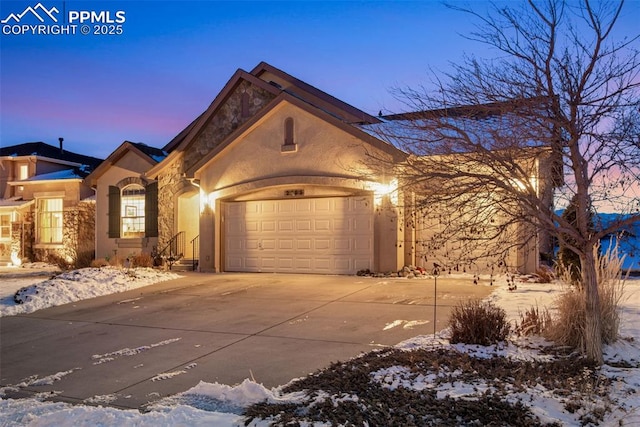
332, 235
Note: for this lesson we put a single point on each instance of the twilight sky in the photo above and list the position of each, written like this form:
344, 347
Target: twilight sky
173, 57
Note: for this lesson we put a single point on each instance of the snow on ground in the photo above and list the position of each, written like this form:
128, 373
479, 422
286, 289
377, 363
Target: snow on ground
70, 286
222, 405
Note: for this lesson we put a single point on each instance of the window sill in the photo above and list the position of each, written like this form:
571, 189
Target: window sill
289, 148
132, 242
48, 246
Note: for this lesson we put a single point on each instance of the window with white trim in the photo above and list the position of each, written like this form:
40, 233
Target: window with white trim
23, 172
133, 205
5, 226
50, 220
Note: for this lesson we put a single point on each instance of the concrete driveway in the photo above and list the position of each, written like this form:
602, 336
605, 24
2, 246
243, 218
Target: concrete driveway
132, 348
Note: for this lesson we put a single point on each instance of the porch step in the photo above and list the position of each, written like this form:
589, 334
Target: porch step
184, 264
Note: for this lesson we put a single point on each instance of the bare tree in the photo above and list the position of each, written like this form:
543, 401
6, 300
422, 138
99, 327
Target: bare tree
554, 117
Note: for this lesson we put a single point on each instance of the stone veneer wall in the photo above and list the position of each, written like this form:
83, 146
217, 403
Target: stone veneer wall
23, 237
169, 183
78, 239
227, 119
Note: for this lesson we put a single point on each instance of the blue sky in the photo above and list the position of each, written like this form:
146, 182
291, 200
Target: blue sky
173, 57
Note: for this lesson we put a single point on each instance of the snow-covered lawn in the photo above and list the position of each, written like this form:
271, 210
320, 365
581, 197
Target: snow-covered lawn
63, 288
222, 405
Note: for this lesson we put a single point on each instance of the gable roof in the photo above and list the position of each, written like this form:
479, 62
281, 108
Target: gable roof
152, 154
322, 114
312, 95
45, 150
156, 154
282, 86
276, 81
188, 133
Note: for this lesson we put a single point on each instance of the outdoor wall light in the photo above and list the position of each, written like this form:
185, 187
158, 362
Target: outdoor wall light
382, 190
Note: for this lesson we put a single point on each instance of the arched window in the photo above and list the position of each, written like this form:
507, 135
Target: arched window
133, 209
133, 205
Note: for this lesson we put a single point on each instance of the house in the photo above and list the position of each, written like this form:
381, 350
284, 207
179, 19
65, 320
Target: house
275, 176
46, 210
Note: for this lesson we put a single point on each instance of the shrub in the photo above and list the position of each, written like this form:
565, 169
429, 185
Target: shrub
54, 258
84, 259
568, 326
141, 260
533, 322
475, 322
100, 262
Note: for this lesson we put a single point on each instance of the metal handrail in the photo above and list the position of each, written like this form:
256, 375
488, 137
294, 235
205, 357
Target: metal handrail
175, 246
195, 249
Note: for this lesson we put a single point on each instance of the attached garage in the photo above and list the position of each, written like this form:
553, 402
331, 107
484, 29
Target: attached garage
330, 235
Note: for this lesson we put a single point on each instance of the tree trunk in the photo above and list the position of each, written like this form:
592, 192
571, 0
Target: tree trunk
593, 321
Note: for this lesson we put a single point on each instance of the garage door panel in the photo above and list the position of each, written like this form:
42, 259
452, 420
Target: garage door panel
304, 244
303, 225
342, 264
327, 235
323, 205
268, 226
235, 262
362, 244
268, 206
304, 206
323, 265
285, 225
342, 244
252, 263
285, 262
268, 263
285, 244
303, 264
250, 244
322, 244
267, 244
362, 224
322, 225
286, 206
341, 224
252, 208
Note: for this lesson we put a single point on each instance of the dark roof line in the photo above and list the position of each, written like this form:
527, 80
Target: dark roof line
363, 118
45, 150
475, 110
148, 150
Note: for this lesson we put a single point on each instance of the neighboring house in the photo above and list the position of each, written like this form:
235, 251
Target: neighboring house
46, 210
275, 176
126, 201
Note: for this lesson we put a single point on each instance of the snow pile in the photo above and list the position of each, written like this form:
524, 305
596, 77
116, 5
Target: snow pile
78, 285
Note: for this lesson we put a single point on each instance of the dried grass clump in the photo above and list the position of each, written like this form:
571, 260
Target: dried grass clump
99, 263
545, 275
475, 322
568, 327
141, 260
611, 285
533, 322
